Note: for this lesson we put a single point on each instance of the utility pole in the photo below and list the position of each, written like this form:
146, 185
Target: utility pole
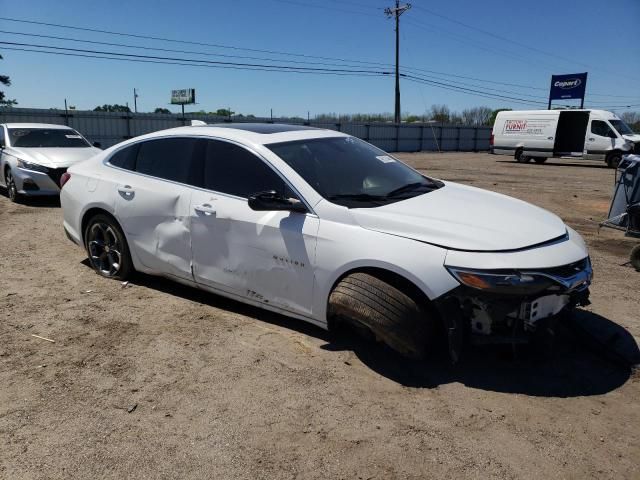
135, 101
396, 12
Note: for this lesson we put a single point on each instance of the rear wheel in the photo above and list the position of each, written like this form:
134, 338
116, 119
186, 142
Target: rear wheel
613, 159
635, 257
12, 189
540, 159
521, 157
107, 248
400, 321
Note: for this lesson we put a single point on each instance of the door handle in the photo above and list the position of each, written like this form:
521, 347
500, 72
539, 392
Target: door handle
592, 139
126, 190
205, 208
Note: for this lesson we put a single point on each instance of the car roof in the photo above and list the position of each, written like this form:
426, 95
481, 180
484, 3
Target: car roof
265, 128
36, 125
255, 133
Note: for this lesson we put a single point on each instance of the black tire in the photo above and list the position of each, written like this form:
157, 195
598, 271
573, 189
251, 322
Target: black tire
107, 248
635, 257
521, 157
12, 189
397, 319
613, 159
539, 160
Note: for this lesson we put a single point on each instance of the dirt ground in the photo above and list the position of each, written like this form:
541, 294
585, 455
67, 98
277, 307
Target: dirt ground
157, 380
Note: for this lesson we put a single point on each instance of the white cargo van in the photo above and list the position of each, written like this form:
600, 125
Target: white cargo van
538, 134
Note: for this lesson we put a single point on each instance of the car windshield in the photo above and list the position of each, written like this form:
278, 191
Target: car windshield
46, 138
351, 172
621, 127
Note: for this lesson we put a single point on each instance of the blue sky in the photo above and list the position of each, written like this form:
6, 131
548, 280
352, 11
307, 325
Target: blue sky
525, 44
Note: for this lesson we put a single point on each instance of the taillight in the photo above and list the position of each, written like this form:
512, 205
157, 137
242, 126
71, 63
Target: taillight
64, 178
491, 140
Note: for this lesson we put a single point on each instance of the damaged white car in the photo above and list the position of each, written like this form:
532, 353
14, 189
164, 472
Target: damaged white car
33, 157
327, 228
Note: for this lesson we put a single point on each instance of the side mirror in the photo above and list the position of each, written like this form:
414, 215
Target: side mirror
97, 144
273, 201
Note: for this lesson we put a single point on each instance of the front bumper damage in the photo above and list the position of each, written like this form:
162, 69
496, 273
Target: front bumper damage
37, 183
474, 316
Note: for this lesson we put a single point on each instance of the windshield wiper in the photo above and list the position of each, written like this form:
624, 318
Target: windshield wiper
409, 187
361, 197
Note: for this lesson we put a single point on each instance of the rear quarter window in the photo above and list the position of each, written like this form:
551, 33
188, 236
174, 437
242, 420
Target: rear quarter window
125, 157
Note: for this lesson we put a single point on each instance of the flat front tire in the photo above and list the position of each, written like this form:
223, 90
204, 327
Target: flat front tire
107, 248
395, 318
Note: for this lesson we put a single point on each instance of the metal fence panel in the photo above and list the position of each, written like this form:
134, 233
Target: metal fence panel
109, 128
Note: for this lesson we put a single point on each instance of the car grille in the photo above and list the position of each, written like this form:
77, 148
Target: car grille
566, 271
55, 174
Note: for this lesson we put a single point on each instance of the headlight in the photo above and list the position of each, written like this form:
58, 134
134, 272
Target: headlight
501, 281
32, 166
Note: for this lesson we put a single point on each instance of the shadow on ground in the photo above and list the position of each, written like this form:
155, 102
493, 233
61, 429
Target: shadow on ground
591, 355
51, 201
566, 163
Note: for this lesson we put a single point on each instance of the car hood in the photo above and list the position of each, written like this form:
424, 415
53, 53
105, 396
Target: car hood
460, 217
634, 138
54, 157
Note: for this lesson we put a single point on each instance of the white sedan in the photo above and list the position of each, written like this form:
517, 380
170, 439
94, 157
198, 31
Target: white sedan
33, 157
327, 228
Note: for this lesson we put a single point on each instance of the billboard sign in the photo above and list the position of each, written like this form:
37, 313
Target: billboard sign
565, 87
183, 97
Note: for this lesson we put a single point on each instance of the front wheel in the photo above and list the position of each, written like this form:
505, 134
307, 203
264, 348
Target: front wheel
521, 157
12, 189
395, 318
613, 159
107, 248
540, 159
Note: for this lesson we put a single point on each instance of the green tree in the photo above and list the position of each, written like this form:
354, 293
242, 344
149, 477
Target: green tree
112, 108
223, 112
6, 81
162, 110
412, 119
440, 113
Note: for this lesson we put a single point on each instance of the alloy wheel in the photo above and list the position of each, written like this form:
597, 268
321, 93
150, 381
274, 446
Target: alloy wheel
104, 249
12, 190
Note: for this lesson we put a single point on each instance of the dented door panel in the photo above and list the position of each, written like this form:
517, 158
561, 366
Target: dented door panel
154, 215
264, 256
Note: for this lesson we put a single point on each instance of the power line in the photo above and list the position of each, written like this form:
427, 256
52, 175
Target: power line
212, 62
106, 55
188, 42
470, 90
274, 52
161, 62
171, 50
513, 41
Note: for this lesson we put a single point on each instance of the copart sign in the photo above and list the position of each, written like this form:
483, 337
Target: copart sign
568, 86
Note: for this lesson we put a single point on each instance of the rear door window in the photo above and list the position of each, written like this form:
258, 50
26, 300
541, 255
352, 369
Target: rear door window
231, 169
169, 159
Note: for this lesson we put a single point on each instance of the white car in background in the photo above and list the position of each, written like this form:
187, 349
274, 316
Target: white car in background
324, 227
33, 157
